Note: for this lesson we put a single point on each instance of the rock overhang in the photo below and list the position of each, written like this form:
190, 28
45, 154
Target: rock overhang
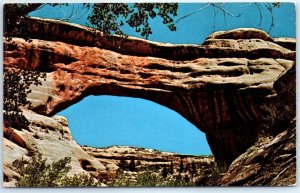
219, 86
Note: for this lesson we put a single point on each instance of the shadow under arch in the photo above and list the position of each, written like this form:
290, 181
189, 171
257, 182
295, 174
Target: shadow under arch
105, 120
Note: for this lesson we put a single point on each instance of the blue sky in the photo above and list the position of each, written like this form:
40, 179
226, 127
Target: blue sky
108, 120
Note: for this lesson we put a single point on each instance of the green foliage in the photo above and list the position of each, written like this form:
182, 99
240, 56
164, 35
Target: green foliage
193, 169
164, 172
279, 113
15, 89
122, 163
181, 168
171, 168
79, 180
178, 182
277, 118
151, 179
145, 179
15, 16
215, 173
36, 172
148, 179
106, 17
187, 167
109, 18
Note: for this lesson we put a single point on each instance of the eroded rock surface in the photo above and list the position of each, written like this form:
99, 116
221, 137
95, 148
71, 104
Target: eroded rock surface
270, 162
52, 138
117, 161
219, 86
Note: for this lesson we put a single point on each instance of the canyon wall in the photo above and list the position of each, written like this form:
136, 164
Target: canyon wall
222, 86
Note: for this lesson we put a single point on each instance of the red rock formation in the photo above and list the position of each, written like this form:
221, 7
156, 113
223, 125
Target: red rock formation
270, 162
14, 137
219, 86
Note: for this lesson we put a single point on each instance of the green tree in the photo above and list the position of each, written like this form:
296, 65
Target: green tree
36, 172
181, 167
187, 167
164, 172
171, 168
193, 169
16, 87
111, 17
122, 163
106, 17
150, 179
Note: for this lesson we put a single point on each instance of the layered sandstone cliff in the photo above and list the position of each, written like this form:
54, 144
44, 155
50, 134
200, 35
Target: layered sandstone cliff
52, 138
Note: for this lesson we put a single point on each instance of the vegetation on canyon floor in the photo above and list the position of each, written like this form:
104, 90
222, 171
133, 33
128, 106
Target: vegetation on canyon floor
36, 171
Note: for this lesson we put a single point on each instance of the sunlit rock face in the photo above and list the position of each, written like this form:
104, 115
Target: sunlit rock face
117, 159
52, 138
219, 86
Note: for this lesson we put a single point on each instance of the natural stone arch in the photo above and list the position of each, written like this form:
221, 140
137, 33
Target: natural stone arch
219, 86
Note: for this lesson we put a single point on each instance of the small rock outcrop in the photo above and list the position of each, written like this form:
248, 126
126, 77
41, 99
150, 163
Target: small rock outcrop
219, 86
52, 138
270, 162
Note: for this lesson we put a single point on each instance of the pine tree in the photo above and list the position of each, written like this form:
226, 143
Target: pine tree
171, 168
187, 167
193, 170
164, 172
122, 163
181, 168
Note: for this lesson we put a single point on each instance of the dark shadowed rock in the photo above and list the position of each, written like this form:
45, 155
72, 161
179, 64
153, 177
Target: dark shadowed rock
270, 162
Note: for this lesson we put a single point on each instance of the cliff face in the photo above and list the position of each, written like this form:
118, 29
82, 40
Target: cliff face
118, 160
52, 138
270, 162
219, 86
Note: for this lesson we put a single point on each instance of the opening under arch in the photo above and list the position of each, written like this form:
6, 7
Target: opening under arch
101, 121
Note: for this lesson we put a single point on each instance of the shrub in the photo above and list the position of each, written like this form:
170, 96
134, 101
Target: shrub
146, 179
36, 172
150, 179
277, 117
178, 182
